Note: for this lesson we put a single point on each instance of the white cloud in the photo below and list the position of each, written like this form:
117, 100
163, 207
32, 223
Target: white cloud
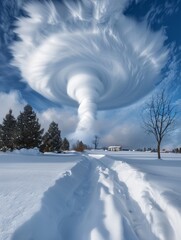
124, 127
12, 100
88, 55
66, 119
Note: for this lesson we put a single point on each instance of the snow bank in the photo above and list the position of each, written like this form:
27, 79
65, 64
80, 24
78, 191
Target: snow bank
24, 151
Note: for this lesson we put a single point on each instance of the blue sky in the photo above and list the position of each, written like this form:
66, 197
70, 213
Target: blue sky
118, 122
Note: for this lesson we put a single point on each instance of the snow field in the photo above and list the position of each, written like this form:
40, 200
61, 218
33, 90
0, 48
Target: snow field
93, 196
23, 180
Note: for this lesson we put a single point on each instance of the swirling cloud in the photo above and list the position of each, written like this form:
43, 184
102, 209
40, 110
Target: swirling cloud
87, 54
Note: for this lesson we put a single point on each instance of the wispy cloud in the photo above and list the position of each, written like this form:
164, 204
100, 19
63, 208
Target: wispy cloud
12, 100
88, 55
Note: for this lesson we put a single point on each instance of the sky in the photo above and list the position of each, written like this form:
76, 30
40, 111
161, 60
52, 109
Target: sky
91, 65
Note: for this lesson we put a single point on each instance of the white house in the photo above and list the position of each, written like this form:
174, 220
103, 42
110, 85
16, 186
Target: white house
114, 148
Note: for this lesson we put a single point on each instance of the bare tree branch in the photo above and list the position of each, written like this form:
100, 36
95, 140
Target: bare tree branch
158, 117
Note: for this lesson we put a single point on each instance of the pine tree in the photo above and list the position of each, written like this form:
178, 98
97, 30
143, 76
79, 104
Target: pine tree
65, 144
1, 137
8, 131
52, 139
29, 132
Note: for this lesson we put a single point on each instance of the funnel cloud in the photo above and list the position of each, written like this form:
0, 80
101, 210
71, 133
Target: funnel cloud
88, 54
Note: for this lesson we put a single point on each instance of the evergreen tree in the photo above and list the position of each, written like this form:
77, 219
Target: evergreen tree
1, 137
65, 144
29, 132
52, 139
8, 131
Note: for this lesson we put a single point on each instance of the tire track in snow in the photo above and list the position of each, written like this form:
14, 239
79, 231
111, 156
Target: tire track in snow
133, 224
103, 210
162, 216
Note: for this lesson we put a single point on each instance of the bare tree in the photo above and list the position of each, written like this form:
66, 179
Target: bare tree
95, 141
79, 146
158, 117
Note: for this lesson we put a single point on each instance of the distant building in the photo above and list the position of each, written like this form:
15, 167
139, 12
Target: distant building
114, 148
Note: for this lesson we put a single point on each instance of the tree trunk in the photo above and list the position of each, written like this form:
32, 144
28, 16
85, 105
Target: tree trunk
158, 150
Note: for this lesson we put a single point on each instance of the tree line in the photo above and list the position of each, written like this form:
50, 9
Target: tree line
25, 132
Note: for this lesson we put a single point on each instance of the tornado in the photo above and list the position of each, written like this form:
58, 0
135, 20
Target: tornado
87, 54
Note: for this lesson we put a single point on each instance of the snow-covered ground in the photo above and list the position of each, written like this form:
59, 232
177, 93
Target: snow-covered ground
96, 195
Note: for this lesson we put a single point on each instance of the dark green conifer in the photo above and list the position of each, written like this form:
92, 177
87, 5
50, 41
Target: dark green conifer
8, 132
29, 132
52, 141
65, 144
